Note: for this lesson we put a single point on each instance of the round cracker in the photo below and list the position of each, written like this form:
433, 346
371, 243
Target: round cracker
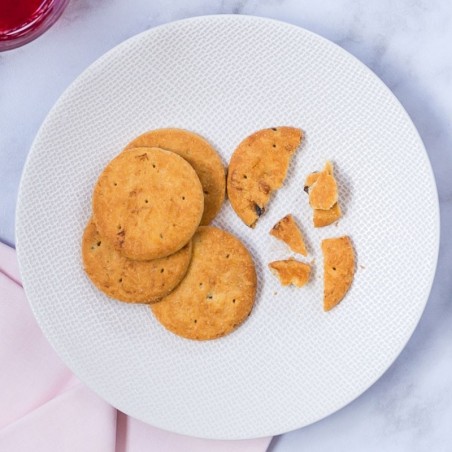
201, 156
128, 280
148, 203
218, 291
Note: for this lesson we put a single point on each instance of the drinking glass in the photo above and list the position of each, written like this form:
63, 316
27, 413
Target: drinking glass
21, 21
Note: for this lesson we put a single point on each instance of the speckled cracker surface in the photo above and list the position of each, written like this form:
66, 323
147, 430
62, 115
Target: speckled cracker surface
288, 231
202, 157
218, 291
291, 271
338, 269
258, 167
128, 280
148, 203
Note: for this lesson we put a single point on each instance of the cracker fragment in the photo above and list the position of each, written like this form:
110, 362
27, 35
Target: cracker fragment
287, 230
321, 187
323, 192
323, 218
338, 269
291, 271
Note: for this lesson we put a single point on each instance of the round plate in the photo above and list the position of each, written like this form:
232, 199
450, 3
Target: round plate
290, 363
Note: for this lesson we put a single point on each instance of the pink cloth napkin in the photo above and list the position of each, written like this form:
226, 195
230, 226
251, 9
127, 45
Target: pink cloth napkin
44, 407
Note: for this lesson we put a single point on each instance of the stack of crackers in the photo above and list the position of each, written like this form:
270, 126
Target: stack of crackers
148, 240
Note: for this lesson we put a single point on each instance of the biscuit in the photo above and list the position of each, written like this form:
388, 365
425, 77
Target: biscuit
148, 203
287, 230
128, 280
258, 167
323, 195
218, 291
201, 156
291, 271
338, 270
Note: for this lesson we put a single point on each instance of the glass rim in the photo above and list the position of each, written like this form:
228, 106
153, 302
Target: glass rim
54, 10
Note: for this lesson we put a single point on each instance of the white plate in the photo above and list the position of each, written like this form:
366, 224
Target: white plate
290, 364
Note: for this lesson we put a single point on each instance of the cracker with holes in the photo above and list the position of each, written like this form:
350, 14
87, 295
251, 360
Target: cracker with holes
202, 157
258, 167
128, 280
218, 291
291, 271
148, 203
288, 231
338, 269
323, 196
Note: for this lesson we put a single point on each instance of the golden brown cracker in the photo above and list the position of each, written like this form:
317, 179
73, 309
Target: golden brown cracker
338, 268
148, 203
128, 280
291, 271
201, 156
323, 194
258, 167
323, 218
218, 291
288, 231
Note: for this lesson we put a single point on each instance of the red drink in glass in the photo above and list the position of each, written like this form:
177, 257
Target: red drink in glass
21, 21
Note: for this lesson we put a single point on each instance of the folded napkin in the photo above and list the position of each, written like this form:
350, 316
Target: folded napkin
44, 407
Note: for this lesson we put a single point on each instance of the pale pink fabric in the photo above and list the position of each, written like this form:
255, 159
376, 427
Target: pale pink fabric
43, 407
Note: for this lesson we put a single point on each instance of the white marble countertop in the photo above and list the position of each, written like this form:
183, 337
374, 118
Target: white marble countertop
408, 44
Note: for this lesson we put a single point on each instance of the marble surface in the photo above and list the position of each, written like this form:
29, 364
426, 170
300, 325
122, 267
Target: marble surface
407, 44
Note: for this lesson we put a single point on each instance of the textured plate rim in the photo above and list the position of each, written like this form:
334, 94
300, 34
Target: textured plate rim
428, 168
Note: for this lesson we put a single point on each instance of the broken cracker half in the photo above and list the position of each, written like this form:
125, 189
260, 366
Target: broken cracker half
288, 231
258, 168
291, 271
338, 270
